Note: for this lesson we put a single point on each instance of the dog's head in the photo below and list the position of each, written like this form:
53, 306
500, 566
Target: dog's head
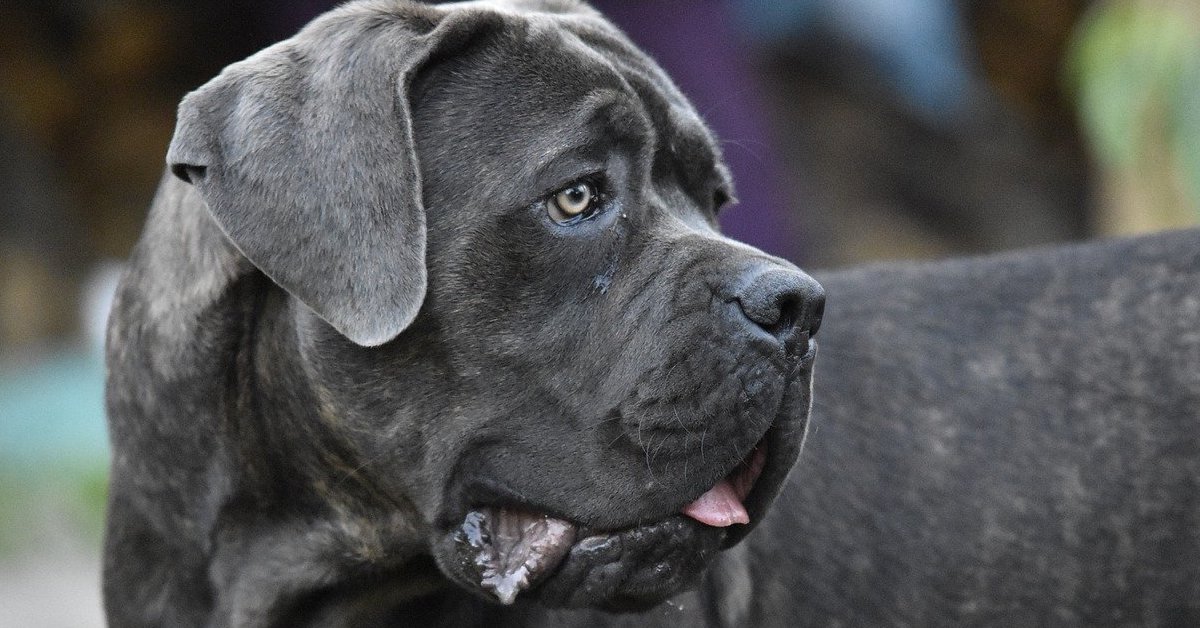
496, 226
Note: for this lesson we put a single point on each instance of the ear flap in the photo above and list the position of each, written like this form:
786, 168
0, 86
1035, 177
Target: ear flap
304, 155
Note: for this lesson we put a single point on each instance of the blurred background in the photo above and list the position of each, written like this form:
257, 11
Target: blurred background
858, 130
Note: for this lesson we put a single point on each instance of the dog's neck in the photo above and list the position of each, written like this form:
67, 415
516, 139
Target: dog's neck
299, 504
271, 501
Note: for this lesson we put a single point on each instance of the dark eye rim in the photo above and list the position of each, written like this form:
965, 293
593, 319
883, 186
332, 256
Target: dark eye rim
596, 181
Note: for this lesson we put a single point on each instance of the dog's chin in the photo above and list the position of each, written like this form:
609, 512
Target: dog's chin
499, 552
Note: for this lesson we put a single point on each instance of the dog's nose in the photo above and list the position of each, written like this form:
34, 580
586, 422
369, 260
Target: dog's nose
785, 303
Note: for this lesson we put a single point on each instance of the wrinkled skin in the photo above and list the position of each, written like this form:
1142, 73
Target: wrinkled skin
1000, 441
288, 451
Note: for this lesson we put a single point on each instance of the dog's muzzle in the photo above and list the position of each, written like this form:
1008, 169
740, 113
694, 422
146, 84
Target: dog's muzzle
505, 548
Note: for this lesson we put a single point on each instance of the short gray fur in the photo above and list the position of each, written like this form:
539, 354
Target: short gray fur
349, 320
1011, 440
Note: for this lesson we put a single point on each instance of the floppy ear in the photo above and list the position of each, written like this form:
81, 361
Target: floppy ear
304, 155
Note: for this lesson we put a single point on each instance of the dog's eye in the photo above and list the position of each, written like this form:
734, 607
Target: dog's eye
576, 202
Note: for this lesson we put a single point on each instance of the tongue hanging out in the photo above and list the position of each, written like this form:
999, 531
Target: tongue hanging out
510, 550
721, 505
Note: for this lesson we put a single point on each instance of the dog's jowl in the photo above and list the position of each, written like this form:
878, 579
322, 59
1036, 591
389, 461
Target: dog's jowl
430, 312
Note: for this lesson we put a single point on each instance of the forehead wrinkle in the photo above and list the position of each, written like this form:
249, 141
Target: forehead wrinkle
652, 85
681, 133
594, 108
665, 119
687, 149
571, 34
608, 39
682, 148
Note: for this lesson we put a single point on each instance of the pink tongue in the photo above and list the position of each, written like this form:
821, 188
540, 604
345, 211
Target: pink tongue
719, 507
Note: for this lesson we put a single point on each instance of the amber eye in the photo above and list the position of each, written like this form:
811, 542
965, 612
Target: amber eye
572, 202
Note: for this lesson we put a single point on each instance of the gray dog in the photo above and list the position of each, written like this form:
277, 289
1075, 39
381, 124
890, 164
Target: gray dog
434, 295
1006, 441
430, 325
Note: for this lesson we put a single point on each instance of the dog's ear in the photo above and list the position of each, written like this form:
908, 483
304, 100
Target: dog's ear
304, 155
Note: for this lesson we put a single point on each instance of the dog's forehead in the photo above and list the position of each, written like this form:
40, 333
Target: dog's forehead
587, 45
563, 80
568, 38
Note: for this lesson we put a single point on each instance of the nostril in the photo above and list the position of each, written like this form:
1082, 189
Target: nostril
787, 310
766, 313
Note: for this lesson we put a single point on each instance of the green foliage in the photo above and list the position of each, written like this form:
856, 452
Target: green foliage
61, 504
1187, 137
1135, 68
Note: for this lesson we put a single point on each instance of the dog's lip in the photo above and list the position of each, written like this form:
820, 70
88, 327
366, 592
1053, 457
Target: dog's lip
782, 449
810, 351
513, 545
484, 493
504, 566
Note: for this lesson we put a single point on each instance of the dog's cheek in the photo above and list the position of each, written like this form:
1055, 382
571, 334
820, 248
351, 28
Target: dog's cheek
705, 394
687, 369
383, 404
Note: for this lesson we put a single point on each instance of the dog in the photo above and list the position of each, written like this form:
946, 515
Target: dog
1007, 440
1012, 440
430, 299
431, 325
